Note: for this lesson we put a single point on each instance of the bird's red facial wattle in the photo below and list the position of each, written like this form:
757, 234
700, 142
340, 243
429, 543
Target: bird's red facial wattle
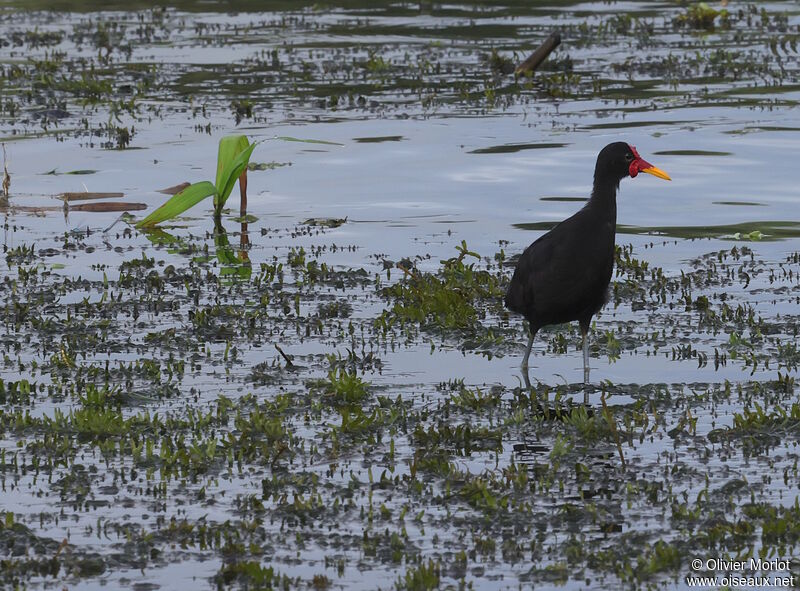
639, 164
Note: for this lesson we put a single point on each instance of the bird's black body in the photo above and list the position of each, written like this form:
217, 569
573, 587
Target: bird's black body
564, 275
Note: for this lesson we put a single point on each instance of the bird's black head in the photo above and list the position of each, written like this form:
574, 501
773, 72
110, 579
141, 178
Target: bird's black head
618, 160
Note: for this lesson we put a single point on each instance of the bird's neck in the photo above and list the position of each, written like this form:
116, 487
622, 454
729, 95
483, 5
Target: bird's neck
604, 194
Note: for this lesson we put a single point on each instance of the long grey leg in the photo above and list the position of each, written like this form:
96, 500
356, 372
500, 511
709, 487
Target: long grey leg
585, 359
585, 331
528, 351
524, 367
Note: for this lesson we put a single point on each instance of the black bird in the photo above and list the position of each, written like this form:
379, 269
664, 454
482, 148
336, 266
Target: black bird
564, 275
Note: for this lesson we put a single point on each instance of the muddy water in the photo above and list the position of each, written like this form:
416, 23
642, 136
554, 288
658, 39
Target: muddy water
431, 148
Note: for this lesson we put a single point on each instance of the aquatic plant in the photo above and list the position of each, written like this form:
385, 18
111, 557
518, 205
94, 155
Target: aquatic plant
396, 478
452, 299
699, 16
422, 578
343, 387
232, 160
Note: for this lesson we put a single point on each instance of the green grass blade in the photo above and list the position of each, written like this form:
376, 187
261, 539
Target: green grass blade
177, 204
230, 175
230, 147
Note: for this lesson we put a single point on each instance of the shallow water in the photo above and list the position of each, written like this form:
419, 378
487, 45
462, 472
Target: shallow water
433, 149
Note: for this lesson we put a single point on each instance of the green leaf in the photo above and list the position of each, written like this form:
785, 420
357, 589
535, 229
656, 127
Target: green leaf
230, 147
294, 139
177, 204
230, 174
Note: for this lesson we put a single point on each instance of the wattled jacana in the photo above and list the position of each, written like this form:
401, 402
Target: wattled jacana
564, 275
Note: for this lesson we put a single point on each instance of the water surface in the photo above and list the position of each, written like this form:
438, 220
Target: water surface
430, 146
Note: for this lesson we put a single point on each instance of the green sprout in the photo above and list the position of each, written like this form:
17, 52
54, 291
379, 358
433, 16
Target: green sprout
232, 160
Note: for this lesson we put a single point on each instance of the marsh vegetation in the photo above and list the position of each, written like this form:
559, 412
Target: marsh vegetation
323, 393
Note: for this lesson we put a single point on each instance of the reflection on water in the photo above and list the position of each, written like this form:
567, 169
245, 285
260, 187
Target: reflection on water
422, 143
235, 263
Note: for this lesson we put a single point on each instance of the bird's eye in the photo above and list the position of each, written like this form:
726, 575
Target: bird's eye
628, 156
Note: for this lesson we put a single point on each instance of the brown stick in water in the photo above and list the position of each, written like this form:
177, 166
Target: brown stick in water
108, 206
243, 193
175, 189
538, 56
86, 196
6, 176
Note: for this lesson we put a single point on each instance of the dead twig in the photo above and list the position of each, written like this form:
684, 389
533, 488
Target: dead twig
538, 56
88, 195
285, 356
61, 546
6, 176
243, 194
174, 190
107, 206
